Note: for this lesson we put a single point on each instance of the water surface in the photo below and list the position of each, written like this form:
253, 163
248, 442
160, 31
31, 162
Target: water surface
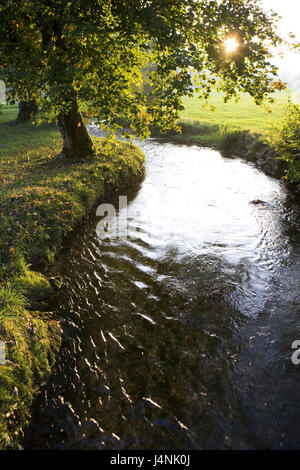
179, 337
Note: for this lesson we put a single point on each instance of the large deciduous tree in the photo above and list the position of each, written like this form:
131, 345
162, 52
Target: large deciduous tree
74, 55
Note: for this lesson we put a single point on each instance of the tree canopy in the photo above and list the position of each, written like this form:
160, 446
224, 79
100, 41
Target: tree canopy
91, 53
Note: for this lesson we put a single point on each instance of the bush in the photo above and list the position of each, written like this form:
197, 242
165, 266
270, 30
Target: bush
285, 139
232, 142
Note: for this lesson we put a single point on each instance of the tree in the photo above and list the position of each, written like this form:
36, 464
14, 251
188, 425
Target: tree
27, 109
88, 55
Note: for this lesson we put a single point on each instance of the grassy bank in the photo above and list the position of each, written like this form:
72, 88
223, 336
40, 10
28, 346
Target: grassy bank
230, 142
41, 200
203, 127
268, 138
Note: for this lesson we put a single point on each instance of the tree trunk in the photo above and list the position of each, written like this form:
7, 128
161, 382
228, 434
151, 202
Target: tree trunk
27, 110
77, 142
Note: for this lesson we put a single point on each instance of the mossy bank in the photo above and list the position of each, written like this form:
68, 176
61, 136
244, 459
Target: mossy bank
42, 200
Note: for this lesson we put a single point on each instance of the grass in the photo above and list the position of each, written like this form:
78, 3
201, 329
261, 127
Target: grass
194, 133
203, 127
8, 113
242, 128
248, 130
242, 115
42, 199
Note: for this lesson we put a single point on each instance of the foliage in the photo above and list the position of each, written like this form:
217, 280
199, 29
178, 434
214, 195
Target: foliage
54, 50
31, 343
285, 139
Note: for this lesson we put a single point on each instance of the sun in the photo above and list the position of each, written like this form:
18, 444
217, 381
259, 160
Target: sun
231, 45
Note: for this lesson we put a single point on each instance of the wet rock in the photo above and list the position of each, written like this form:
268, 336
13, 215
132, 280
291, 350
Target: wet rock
261, 152
55, 283
257, 201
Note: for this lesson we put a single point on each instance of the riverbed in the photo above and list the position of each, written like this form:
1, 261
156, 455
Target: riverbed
179, 335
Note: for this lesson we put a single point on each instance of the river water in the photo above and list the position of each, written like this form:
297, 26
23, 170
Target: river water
179, 336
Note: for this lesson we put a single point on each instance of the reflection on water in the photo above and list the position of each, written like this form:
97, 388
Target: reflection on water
179, 337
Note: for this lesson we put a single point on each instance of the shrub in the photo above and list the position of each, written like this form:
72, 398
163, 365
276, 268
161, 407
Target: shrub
232, 141
285, 139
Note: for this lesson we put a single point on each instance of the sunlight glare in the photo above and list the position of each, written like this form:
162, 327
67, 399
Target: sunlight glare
231, 45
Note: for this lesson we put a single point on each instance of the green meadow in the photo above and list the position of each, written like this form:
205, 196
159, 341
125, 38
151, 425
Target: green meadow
8, 113
244, 114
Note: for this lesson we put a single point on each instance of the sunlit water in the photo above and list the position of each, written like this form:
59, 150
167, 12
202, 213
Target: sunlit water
179, 337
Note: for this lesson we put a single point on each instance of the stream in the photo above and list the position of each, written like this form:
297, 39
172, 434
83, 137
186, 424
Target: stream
179, 336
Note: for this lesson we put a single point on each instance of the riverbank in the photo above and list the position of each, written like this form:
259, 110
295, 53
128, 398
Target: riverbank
242, 143
267, 137
42, 200
248, 145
